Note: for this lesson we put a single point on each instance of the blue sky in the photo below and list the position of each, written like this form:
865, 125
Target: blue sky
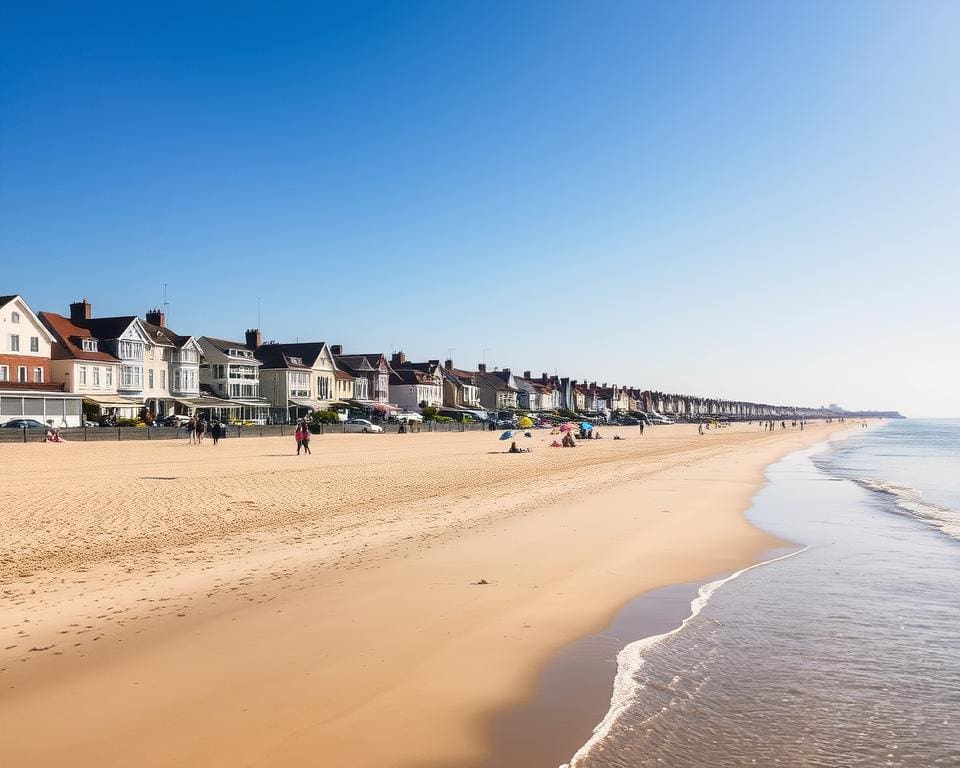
744, 200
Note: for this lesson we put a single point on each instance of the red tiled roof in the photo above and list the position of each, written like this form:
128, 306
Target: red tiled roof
69, 344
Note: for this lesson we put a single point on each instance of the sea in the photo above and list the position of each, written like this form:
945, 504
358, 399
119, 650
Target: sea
840, 650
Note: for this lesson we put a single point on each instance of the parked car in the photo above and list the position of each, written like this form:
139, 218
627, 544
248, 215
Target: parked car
177, 420
361, 425
628, 421
88, 423
24, 423
409, 417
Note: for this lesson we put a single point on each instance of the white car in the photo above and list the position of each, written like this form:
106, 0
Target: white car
361, 425
409, 417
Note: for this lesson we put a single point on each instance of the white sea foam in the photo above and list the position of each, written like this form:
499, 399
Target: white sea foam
911, 502
631, 659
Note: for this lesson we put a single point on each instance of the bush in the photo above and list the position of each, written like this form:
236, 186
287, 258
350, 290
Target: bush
442, 419
431, 413
325, 417
129, 423
566, 413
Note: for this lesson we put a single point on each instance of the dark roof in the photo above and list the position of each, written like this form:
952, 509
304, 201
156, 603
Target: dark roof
108, 327
308, 351
277, 356
163, 335
224, 344
4, 300
354, 362
69, 339
410, 376
496, 380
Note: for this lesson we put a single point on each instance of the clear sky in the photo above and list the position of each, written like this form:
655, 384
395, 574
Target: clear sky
751, 200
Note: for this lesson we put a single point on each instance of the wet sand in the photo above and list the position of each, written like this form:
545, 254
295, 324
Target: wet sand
167, 604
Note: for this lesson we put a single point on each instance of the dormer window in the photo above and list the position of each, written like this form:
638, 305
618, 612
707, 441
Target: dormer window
296, 361
14, 317
90, 345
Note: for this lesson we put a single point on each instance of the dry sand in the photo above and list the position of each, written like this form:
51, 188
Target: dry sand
236, 605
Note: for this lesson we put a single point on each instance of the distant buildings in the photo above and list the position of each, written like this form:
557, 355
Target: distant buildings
66, 369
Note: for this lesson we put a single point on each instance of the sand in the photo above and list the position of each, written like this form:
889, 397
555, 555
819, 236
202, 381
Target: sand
166, 604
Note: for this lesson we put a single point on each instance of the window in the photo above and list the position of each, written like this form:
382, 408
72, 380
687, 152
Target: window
83, 375
4, 373
131, 350
219, 372
299, 384
34, 344
109, 376
323, 388
38, 375
14, 343
90, 345
96, 376
14, 317
150, 378
131, 377
163, 379
22, 374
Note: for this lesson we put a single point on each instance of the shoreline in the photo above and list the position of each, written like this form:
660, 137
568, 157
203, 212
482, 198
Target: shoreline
308, 641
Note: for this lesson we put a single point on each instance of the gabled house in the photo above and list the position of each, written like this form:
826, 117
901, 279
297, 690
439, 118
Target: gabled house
172, 368
374, 368
498, 389
125, 338
230, 372
27, 386
537, 394
413, 385
78, 363
285, 381
461, 391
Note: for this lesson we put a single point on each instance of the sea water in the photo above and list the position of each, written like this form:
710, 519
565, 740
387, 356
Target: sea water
843, 650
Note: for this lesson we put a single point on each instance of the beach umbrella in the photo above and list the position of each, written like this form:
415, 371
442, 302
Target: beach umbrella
566, 427
525, 423
586, 425
506, 435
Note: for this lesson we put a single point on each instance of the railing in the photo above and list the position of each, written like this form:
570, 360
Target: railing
95, 434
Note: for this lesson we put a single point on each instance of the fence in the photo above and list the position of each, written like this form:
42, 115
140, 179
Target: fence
94, 434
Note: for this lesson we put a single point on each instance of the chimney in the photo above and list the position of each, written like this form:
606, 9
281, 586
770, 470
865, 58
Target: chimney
482, 367
254, 339
604, 385
448, 363
543, 378
336, 349
398, 359
526, 374
506, 371
156, 317
79, 311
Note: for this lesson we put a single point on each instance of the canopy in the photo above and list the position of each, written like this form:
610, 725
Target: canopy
506, 435
112, 401
206, 401
306, 402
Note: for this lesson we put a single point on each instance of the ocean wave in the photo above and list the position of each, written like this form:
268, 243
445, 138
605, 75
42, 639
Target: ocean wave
630, 660
910, 501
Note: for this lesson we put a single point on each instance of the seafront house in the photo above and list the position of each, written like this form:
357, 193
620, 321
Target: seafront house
498, 389
230, 372
373, 367
27, 387
285, 381
124, 338
415, 385
84, 369
461, 392
171, 368
298, 378
537, 394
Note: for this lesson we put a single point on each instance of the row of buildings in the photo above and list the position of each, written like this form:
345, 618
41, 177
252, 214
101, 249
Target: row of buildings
68, 368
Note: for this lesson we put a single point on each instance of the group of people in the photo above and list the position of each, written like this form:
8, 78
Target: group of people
198, 428
303, 437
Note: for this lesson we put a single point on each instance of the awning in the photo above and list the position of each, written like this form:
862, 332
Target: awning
112, 401
306, 402
205, 401
338, 404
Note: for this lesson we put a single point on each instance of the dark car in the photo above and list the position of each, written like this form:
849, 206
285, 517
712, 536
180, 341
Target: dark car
24, 423
628, 421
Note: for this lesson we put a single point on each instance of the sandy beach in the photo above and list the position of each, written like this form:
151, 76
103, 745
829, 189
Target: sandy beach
238, 605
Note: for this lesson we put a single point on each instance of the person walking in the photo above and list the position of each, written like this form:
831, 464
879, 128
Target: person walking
215, 429
641, 428
306, 437
192, 429
201, 430
299, 435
